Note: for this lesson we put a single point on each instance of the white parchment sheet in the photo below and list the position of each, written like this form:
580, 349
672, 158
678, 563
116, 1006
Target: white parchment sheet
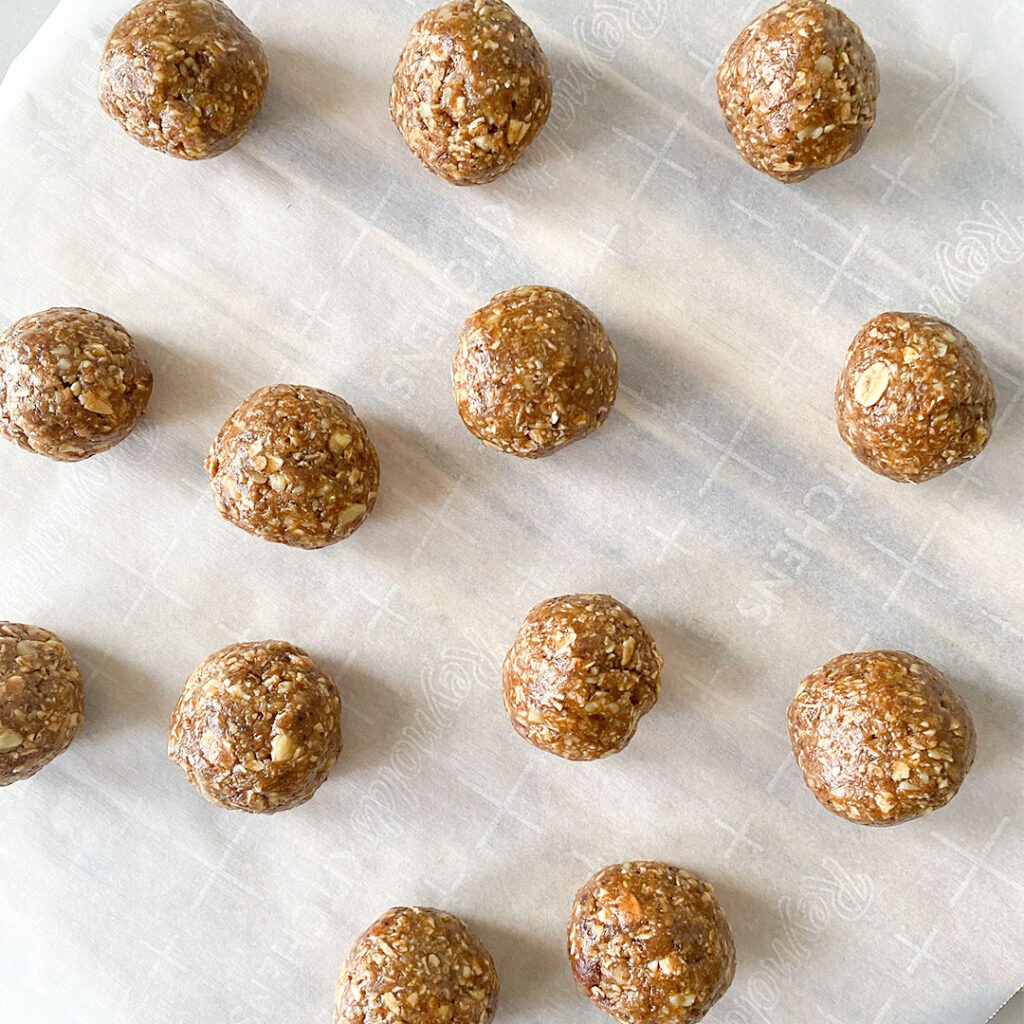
717, 501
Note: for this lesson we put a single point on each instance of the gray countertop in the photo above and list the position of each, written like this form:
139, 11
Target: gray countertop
20, 19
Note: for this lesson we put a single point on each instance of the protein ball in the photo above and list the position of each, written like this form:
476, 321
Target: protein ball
914, 398
257, 728
581, 674
649, 944
798, 89
471, 90
183, 76
71, 383
416, 965
880, 737
40, 700
534, 372
294, 465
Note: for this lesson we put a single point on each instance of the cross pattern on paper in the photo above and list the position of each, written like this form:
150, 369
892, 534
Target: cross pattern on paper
314, 314
440, 517
841, 272
383, 607
728, 453
883, 1011
977, 862
750, 215
778, 773
784, 361
921, 952
529, 578
937, 112
503, 809
707, 687
896, 180
659, 157
911, 566
739, 836
1006, 6
670, 541
602, 247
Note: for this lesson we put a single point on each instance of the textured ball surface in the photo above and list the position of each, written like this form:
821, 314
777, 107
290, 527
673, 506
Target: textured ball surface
534, 372
581, 674
185, 77
471, 90
257, 728
798, 89
650, 944
914, 398
881, 737
72, 383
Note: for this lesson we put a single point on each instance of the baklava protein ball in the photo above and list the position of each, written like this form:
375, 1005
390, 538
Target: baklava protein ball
649, 944
257, 728
471, 90
914, 398
798, 89
880, 737
294, 465
534, 372
183, 76
40, 700
581, 674
416, 965
71, 383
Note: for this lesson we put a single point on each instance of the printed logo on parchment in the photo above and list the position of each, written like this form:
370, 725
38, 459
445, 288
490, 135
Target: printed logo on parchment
599, 37
820, 509
804, 918
390, 800
991, 238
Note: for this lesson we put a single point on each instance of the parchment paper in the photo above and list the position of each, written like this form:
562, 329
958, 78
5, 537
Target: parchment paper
717, 501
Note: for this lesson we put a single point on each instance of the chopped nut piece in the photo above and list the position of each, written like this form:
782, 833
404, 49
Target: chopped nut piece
9, 739
871, 384
430, 969
282, 747
351, 513
565, 686
40, 700
866, 720
672, 914
339, 441
71, 383
194, 107
257, 728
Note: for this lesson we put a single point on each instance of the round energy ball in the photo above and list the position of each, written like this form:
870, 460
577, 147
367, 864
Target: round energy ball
257, 728
294, 465
880, 737
649, 944
71, 383
914, 398
534, 372
471, 90
183, 76
416, 965
581, 674
40, 700
798, 89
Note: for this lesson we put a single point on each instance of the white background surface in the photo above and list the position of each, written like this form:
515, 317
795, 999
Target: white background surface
319, 252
